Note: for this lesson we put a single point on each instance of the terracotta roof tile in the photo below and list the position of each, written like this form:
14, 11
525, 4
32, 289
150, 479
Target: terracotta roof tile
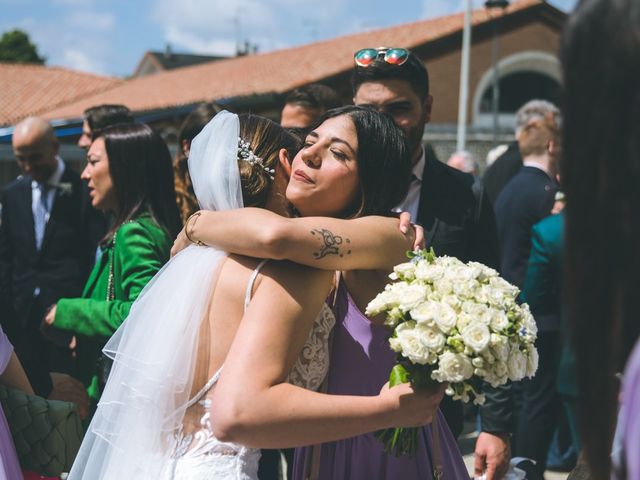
33, 89
271, 72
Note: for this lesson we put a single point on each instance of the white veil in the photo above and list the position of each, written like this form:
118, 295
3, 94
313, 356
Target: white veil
154, 351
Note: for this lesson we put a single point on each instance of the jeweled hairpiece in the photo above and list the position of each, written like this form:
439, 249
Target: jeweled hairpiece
246, 155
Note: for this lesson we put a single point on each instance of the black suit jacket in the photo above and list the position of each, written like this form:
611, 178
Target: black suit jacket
58, 270
524, 201
458, 219
503, 169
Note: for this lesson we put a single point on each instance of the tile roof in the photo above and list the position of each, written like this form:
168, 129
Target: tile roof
33, 89
172, 60
272, 72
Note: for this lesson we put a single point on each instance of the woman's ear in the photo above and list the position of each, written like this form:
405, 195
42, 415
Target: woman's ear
285, 161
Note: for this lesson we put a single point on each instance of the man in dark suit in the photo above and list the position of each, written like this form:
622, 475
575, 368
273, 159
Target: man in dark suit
525, 200
45, 254
458, 221
509, 163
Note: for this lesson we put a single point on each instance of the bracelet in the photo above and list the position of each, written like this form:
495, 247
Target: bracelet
186, 228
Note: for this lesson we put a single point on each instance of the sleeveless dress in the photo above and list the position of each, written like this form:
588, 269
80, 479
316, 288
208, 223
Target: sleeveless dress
361, 361
199, 455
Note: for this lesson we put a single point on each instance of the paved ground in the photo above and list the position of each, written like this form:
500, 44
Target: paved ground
466, 443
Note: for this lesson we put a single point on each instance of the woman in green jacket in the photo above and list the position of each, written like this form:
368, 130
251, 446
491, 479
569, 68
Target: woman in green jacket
130, 177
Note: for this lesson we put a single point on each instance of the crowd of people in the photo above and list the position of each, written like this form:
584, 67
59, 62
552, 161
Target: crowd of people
204, 314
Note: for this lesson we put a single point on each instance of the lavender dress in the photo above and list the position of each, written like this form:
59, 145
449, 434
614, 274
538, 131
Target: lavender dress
9, 466
626, 449
360, 364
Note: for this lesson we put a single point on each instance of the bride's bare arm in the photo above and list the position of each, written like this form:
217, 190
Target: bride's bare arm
252, 403
371, 243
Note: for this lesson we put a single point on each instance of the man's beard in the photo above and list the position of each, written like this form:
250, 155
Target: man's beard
414, 141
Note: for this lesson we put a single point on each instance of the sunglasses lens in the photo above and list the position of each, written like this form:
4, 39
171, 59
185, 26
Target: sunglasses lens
396, 56
365, 57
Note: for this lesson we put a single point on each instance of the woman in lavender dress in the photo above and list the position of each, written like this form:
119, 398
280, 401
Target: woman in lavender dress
360, 364
11, 375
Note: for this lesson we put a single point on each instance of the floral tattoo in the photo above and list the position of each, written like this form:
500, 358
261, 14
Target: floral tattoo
331, 244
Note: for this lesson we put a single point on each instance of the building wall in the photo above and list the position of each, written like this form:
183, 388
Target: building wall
444, 70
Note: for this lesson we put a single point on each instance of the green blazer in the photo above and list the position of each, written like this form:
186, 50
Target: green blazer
138, 251
542, 290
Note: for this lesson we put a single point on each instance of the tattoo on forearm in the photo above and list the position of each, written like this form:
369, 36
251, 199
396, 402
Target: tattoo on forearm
332, 244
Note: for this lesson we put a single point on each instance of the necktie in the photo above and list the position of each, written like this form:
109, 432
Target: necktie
42, 213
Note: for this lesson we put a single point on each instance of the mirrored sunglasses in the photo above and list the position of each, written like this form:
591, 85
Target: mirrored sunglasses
392, 56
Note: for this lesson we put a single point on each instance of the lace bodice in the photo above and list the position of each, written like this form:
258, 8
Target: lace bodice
199, 455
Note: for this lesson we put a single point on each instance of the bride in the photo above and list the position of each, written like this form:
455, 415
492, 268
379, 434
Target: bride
170, 409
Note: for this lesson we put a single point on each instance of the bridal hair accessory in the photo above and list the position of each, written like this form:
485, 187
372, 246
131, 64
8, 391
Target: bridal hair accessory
246, 155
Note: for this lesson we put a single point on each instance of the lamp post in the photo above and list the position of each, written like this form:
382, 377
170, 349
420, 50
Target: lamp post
464, 80
495, 104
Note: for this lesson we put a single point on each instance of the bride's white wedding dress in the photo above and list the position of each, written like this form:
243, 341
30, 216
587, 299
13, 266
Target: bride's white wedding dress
146, 425
196, 454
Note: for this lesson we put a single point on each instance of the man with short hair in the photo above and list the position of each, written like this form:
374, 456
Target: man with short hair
526, 199
99, 117
305, 105
509, 163
45, 254
458, 221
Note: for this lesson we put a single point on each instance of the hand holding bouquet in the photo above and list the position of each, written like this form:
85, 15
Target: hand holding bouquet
456, 323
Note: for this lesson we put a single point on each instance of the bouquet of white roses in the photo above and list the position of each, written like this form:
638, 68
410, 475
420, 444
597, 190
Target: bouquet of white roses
456, 323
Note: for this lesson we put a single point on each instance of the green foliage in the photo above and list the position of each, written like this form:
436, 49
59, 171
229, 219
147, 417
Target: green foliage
15, 46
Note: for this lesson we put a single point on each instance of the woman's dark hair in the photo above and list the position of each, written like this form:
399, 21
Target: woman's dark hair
600, 56
103, 116
266, 138
384, 164
192, 126
142, 177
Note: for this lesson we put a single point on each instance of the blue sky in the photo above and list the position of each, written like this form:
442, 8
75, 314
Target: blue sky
110, 36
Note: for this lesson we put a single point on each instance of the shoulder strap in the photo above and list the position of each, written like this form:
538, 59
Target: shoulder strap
252, 280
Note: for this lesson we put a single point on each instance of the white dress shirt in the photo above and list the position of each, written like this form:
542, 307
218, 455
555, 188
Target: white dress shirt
40, 215
412, 201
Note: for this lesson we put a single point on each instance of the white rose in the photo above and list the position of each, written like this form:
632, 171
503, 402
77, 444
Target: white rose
499, 319
476, 336
404, 271
517, 365
477, 362
425, 312
408, 342
443, 287
431, 337
465, 288
385, 300
464, 319
500, 369
452, 367
453, 301
445, 317
532, 361
500, 349
428, 272
409, 295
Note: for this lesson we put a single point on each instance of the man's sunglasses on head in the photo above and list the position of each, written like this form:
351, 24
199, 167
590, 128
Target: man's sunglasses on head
392, 56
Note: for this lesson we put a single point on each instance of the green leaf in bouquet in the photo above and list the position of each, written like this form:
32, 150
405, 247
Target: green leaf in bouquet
399, 374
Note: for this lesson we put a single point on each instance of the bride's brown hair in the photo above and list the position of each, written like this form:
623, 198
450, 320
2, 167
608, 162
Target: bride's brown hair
265, 139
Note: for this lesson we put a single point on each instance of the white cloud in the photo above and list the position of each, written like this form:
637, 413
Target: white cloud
81, 60
92, 20
438, 8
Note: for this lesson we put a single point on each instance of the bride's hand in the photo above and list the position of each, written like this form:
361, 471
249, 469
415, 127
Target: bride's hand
181, 242
405, 225
409, 407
